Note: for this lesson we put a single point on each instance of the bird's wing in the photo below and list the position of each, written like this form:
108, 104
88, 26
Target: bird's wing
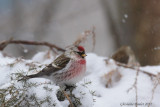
58, 64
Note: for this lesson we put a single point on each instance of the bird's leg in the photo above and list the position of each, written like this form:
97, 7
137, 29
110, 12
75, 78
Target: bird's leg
61, 94
70, 88
75, 101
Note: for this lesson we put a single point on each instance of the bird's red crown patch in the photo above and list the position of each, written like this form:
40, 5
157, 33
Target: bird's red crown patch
80, 48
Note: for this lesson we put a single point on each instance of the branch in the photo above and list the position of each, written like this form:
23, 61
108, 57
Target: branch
68, 98
84, 35
135, 68
135, 86
153, 91
157, 82
136, 78
3, 44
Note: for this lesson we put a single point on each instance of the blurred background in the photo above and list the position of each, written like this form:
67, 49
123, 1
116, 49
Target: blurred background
118, 22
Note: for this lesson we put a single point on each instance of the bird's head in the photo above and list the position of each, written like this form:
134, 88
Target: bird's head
78, 51
81, 51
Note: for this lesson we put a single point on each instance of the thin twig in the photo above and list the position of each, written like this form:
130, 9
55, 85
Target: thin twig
132, 67
136, 80
94, 38
3, 44
135, 83
68, 98
153, 90
135, 68
84, 35
135, 86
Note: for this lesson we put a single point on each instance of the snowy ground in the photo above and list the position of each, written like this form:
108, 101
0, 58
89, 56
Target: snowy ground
92, 90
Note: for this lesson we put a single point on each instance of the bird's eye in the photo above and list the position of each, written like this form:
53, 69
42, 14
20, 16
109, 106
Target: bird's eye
82, 54
79, 53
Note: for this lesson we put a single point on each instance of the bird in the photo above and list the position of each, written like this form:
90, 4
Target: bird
67, 69
125, 55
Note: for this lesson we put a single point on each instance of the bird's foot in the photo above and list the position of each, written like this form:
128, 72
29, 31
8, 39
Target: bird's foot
67, 89
70, 87
66, 92
75, 101
60, 95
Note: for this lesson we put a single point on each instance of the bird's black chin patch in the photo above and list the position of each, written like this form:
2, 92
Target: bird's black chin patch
81, 54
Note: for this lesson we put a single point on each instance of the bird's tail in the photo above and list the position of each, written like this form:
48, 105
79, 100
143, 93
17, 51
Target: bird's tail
24, 78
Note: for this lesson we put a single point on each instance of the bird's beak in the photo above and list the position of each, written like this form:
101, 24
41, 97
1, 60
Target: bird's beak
84, 55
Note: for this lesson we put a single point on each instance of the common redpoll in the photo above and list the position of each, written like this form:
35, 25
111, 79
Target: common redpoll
67, 69
125, 55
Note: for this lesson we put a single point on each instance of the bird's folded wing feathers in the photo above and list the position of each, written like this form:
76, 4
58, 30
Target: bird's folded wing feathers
58, 64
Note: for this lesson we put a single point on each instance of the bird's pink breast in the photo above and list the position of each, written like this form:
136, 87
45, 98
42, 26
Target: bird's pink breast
82, 61
76, 70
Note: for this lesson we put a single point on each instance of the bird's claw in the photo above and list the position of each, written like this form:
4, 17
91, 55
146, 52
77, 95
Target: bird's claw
70, 87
